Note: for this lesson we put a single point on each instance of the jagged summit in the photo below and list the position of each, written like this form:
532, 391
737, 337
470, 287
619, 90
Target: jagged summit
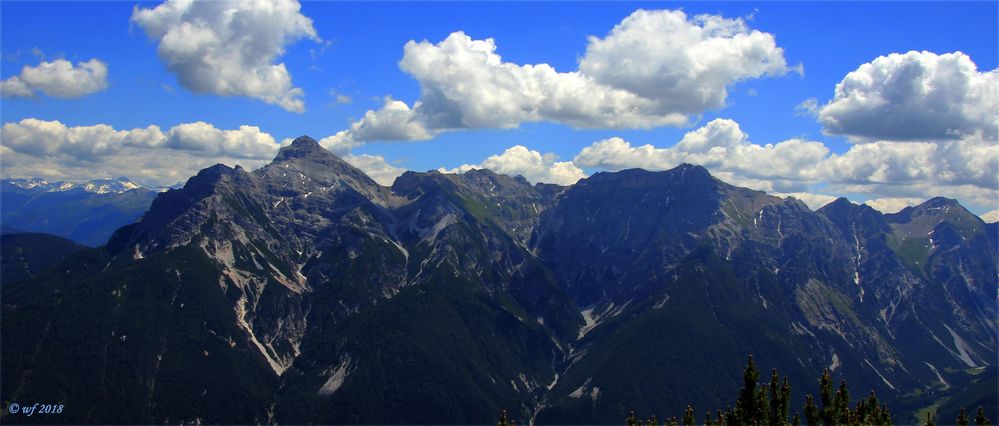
939, 202
840, 202
936, 206
687, 172
304, 164
302, 147
841, 206
304, 141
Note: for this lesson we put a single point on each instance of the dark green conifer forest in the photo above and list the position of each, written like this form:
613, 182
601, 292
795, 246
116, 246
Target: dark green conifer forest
770, 404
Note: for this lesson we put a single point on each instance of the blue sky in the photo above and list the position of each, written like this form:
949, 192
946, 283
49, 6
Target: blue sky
357, 49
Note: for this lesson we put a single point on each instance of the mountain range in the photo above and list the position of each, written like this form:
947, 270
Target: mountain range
98, 186
87, 213
304, 292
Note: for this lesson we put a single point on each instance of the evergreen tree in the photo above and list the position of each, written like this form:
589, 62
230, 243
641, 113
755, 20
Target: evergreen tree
632, 420
962, 419
768, 404
867, 409
785, 399
885, 415
980, 419
929, 419
825, 391
745, 407
762, 407
861, 412
842, 403
774, 414
812, 414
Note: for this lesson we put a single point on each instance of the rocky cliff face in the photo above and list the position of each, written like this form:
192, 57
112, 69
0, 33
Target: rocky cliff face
306, 292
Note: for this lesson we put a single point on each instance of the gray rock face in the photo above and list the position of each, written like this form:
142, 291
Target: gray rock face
349, 302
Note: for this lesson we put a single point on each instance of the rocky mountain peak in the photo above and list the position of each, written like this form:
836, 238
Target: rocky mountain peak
685, 174
305, 166
937, 209
303, 147
839, 203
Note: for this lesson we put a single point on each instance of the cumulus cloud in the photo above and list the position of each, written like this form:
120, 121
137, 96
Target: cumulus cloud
654, 68
922, 124
966, 169
812, 200
246, 142
58, 78
395, 121
532, 165
882, 162
722, 147
85, 143
376, 167
893, 205
229, 48
991, 216
51, 149
685, 64
914, 96
464, 84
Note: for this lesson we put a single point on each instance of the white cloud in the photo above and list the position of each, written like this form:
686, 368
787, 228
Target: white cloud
893, 205
677, 67
807, 108
375, 167
58, 78
50, 149
229, 48
882, 162
532, 165
914, 96
465, 84
812, 200
923, 125
991, 216
84, 143
966, 169
340, 98
395, 121
722, 147
15, 88
246, 142
685, 64
618, 154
